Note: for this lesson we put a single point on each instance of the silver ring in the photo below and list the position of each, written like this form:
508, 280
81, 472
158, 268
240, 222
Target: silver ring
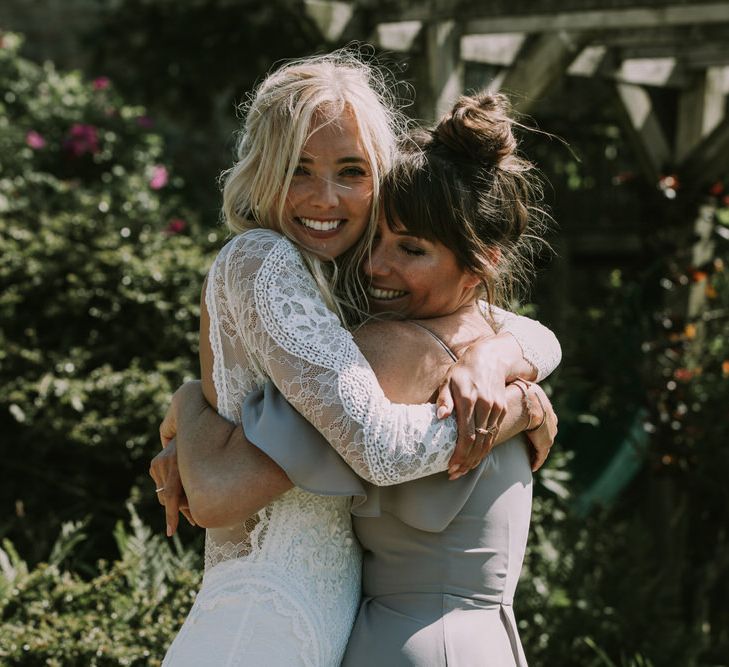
161, 488
490, 430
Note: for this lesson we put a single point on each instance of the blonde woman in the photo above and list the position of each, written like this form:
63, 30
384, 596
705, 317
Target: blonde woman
282, 587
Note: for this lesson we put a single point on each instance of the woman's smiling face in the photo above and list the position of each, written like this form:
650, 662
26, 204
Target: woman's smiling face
414, 277
329, 200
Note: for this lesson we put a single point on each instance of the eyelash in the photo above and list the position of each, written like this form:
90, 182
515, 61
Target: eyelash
415, 252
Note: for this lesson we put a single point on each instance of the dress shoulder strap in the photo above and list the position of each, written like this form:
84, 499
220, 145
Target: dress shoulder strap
450, 352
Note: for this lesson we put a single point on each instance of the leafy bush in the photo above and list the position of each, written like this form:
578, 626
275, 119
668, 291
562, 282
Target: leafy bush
99, 299
127, 614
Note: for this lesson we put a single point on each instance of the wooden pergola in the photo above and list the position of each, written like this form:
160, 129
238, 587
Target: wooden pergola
531, 45
527, 47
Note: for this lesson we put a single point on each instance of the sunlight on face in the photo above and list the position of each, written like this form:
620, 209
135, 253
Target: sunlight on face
415, 278
329, 201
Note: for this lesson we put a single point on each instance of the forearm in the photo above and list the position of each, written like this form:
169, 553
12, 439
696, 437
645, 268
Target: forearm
506, 348
225, 477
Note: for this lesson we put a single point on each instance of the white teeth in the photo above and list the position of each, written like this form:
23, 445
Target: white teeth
320, 225
385, 293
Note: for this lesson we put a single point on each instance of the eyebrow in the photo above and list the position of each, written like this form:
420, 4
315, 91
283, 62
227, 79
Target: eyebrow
341, 160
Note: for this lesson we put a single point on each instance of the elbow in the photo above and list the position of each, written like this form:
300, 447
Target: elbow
204, 508
205, 513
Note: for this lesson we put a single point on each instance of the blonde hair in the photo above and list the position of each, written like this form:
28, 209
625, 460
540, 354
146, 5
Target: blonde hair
278, 122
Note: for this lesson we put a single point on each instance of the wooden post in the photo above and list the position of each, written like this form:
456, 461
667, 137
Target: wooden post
700, 110
442, 41
648, 138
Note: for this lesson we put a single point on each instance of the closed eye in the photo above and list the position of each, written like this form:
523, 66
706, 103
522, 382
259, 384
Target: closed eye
408, 250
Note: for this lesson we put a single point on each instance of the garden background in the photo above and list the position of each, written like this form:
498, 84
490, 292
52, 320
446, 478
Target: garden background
115, 121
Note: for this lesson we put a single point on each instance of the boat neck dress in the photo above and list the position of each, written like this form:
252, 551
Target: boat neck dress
283, 588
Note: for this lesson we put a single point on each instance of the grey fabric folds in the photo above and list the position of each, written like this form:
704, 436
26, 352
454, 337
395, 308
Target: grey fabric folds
277, 429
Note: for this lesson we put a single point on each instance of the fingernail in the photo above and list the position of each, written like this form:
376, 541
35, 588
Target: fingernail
442, 411
169, 530
452, 469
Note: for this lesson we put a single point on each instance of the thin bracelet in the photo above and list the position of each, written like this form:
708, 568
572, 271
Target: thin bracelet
525, 401
541, 405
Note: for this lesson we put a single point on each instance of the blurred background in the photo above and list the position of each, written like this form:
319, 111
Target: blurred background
116, 118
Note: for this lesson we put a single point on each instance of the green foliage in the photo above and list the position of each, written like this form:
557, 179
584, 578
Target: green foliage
99, 298
127, 614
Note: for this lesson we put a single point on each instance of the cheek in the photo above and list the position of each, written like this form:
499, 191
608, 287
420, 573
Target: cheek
360, 198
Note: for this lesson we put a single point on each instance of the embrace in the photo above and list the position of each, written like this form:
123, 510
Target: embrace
354, 448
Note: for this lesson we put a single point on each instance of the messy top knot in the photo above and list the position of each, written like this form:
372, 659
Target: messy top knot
478, 128
465, 185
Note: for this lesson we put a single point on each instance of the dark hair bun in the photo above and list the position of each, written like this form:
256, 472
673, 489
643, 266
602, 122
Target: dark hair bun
478, 128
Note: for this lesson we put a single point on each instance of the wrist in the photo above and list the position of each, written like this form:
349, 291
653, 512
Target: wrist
510, 354
533, 405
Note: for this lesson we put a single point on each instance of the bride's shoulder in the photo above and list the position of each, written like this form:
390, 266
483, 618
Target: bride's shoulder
258, 243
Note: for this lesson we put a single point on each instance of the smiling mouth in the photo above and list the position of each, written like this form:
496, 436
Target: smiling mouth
385, 294
320, 225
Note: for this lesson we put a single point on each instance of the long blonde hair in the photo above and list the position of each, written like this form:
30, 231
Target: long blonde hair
278, 121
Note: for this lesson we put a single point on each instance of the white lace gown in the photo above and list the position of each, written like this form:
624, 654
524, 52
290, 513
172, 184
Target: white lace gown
283, 589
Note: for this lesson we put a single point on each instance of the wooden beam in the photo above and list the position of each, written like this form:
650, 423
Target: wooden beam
700, 110
690, 54
444, 67
647, 135
666, 36
603, 19
482, 18
543, 61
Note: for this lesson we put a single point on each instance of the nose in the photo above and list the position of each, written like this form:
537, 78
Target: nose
377, 263
325, 193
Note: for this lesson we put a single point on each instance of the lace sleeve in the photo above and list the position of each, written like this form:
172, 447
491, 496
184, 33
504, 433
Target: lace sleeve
539, 345
261, 292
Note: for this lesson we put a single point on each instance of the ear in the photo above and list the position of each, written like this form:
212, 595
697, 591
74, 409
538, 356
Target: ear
471, 280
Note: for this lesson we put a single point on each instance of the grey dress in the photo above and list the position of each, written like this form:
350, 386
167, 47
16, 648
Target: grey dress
445, 598
441, 558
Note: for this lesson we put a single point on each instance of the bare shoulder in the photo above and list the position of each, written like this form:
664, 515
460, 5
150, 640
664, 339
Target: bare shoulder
408, 362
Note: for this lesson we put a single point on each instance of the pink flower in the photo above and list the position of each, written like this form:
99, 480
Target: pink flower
101, 83
82, 139
160, 177
145, 121
35, 140
175, 226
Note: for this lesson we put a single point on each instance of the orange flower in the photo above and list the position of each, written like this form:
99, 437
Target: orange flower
725, 368
690, 331
698, 276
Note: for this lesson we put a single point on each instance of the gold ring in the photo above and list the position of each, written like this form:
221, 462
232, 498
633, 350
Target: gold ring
490, 430
161, 488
